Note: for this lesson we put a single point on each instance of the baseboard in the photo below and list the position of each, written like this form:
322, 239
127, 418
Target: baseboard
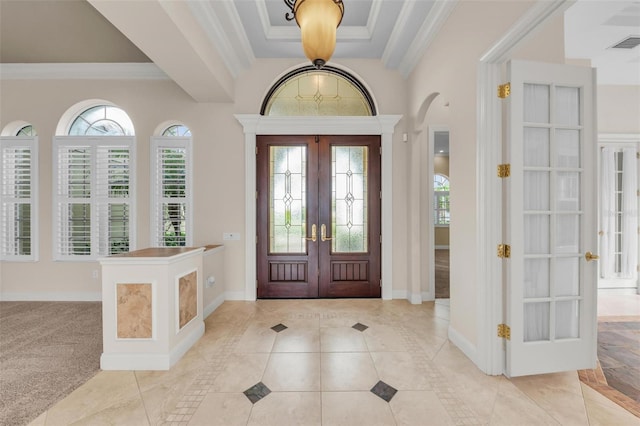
427, 297
211, 307
52, 297
463, 344
399, 294
621, 291
235, 295
151, 361
416, 299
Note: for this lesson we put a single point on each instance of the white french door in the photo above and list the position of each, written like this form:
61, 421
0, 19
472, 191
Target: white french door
551, 219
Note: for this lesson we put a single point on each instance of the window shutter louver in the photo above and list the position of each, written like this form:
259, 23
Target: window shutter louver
94, 196
171, 202
18, 191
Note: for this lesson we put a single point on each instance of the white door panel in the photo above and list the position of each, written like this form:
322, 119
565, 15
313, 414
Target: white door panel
551, 218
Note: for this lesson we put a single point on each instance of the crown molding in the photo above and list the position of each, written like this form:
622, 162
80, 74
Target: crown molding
436, 18
86, 71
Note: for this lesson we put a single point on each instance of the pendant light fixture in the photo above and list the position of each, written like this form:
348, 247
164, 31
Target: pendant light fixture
318, 21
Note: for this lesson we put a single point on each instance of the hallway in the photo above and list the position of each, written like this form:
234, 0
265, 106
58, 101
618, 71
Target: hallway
330, 362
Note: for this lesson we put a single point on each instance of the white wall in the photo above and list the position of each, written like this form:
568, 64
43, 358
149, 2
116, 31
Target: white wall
619, 109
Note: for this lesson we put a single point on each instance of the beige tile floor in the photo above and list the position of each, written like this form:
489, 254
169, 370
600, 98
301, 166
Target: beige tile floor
320, 372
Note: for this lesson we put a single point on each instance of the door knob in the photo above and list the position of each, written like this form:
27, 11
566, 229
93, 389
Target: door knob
323, 233
591, 257
314, 235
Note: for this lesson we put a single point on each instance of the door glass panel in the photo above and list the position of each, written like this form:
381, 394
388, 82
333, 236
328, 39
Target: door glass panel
568, 106
536, 234
287, 199
536, 103
568, 148
568, 191
349, 165
567, 319
536, 147
568, 233
536, 191
536, 321
567, 276
536, 278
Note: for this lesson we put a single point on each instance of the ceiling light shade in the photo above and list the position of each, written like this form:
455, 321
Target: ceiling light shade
318, 21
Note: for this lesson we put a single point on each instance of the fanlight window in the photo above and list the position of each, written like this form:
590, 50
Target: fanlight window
102, 120
28, 131
177, 130
311, 92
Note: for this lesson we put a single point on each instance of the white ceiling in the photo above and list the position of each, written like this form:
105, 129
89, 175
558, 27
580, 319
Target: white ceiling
592, 27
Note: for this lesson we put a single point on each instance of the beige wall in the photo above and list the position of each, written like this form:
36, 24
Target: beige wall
619, 109
218, 165
450, 67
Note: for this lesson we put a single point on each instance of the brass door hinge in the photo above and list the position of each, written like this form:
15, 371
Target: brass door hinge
504, 170
504, 331
504, 251
504, 90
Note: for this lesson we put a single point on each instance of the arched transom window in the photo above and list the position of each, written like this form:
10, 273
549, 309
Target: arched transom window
326, 92
102, 120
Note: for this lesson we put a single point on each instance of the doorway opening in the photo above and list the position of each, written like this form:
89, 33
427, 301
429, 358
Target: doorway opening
441, 212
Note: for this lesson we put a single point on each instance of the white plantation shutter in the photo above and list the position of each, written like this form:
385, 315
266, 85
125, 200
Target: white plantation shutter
19, 198
93, 196
171, 192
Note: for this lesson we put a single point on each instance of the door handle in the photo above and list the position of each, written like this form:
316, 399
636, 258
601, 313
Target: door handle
314, 235
323, 233
591, 257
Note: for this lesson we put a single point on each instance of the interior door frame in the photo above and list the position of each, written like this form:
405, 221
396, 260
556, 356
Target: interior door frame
255, 124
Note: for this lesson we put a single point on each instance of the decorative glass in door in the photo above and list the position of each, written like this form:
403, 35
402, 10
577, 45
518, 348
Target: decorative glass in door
287, 199
349, 199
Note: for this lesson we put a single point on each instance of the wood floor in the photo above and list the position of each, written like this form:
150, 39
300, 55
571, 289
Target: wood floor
442, 273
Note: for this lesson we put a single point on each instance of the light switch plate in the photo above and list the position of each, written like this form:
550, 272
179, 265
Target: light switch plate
231, 236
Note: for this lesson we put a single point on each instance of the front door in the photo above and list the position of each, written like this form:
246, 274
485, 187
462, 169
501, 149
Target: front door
318, 218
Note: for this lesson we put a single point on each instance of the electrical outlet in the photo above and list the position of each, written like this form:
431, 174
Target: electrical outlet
94, 274
231, 236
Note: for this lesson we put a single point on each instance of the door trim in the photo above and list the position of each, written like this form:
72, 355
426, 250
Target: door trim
254, 124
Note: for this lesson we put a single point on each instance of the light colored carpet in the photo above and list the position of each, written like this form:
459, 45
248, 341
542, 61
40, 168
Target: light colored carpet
47, 349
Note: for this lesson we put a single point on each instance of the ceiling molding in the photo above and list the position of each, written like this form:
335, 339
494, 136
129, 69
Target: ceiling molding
436, 18
237, 54
85, 71
396, 35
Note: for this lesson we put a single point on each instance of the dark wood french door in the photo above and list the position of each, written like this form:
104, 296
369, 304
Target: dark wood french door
318, 218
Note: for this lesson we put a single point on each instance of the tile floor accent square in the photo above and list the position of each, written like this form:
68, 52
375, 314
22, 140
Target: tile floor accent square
360, 327
384, 391
256, 392
278, 328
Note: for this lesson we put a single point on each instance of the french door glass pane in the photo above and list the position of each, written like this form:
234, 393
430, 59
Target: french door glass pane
287, 199
567, 319
536, 234
568, 191
536, 103
349, 199
536, 321
567, 233
536, 278
568, 148
536, 194
567, 106
567, 276
536, 147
